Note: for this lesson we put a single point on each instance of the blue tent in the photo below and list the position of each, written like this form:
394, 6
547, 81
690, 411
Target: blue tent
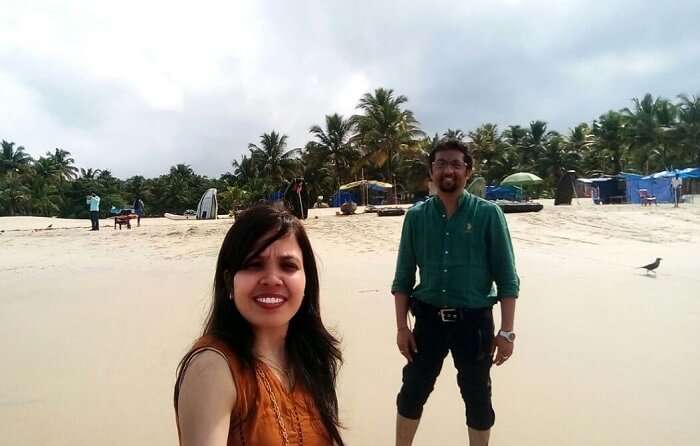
608, 189
659, 187
658, 184
690, 172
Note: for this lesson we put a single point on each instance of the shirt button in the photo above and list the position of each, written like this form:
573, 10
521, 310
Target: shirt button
444, 291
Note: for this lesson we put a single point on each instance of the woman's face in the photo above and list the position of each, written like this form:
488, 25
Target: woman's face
268, 289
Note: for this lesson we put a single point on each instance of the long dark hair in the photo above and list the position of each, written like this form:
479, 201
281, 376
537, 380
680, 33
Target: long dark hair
312, 351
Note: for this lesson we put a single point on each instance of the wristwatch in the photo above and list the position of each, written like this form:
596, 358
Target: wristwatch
509, 335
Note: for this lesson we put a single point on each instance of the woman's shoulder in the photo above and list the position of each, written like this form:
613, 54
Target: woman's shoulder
212, 363
216, 345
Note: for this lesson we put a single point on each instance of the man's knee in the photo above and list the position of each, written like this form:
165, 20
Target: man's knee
475, 387
418, 383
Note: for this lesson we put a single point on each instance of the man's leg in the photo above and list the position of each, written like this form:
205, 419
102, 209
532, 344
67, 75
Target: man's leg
471, 351
92, 219
97, 221
405, 430
479, 438
419, 377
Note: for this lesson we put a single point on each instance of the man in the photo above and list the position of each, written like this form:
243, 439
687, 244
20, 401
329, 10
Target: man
94, 202
138, 209
676, 184
461, 246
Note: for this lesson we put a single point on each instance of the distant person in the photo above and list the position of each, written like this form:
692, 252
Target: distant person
296, 198
93, 200
138, 209
461, 245
264, 370
677, 184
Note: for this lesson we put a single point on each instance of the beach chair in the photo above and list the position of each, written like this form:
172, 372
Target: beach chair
646, 199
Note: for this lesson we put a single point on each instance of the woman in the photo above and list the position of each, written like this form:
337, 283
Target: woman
264, 371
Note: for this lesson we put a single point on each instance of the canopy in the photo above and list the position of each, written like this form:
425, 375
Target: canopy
521, 179
366, 182
691, 172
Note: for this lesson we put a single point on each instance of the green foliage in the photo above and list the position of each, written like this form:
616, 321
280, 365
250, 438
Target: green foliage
383, 141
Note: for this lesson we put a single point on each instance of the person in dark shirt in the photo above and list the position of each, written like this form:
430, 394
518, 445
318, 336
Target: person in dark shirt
296, 198
138, 210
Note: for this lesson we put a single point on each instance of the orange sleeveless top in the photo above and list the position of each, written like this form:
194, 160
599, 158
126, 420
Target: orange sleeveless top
265, 412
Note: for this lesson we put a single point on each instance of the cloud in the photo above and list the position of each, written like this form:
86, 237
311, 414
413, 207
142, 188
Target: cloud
138, 87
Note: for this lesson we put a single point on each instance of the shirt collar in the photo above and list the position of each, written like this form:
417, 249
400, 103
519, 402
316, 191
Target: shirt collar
460, 201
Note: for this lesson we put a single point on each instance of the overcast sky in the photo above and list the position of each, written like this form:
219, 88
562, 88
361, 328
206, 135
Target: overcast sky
138, 86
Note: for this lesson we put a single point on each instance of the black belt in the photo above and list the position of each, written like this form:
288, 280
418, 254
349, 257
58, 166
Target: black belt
422, 309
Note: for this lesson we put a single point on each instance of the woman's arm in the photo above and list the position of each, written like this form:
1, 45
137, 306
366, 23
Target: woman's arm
206, 399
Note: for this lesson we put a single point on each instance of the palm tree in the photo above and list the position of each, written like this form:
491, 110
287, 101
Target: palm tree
320, 176
46, 168
610, 140
13, 192
533, 144
384, 129
45, 197
515, 138
580, 140
689, 127
89, 173
11, 159
335, 142
647, 130
557, 158
245, 170
485, 144
64, 165
457, 134
274, 161
413, 171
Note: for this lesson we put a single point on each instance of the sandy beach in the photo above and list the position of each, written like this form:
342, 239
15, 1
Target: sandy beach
93, 324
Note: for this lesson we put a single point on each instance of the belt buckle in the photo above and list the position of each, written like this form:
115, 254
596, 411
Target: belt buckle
448, 314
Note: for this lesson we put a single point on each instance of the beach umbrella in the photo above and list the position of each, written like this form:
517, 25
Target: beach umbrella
365, 187
365, 183
521, 179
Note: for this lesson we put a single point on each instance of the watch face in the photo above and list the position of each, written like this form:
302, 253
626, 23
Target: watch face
510, 336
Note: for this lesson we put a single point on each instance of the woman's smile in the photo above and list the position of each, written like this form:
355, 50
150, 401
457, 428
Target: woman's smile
270, 301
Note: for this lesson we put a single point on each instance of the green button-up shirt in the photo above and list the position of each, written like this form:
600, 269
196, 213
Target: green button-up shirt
458, 258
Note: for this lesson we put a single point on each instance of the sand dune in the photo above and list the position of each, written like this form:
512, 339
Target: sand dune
92, 325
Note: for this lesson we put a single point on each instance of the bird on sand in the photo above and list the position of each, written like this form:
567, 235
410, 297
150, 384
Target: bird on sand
652, 266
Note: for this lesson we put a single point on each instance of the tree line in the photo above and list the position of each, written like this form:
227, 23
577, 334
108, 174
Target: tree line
382, 141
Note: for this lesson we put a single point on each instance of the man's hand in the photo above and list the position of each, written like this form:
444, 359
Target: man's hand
503, 349
406, 343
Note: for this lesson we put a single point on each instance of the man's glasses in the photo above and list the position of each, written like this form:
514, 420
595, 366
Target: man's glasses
455, 165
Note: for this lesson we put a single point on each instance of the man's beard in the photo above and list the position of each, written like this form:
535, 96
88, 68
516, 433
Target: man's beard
447, 188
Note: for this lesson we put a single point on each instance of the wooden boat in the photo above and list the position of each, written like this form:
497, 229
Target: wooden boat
511, 207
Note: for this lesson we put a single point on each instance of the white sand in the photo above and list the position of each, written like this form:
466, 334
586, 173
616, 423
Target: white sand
92, 326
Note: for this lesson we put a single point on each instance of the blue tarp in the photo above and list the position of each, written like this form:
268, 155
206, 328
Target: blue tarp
503, 193
658, 186
341, 197
690, 172
276, 196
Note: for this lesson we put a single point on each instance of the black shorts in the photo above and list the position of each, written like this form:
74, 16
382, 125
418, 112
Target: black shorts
469, 339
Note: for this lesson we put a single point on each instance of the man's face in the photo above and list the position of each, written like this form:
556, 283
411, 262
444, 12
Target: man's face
448, 171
